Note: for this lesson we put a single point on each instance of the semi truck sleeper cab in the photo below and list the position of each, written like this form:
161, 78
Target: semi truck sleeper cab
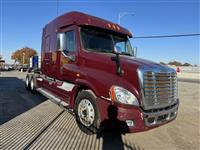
88, 64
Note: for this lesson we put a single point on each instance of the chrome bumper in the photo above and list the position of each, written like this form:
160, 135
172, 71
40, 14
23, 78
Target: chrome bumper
159, 117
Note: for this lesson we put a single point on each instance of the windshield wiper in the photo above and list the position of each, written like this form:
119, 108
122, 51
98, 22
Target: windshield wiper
127, 54
99, 50
104, 51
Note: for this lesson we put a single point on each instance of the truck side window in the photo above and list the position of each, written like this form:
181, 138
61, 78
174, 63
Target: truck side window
66, 41
70, 40
121, 47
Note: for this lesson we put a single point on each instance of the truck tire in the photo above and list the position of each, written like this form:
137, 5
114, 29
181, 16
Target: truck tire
33, 85
86, 111
27, 83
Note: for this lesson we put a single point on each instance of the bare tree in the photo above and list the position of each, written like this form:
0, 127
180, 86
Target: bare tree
23, 55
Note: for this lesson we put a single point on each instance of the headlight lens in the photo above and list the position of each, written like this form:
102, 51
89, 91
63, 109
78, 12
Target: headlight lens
122, 95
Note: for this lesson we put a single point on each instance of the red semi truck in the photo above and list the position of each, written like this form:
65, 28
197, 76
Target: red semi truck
88, 64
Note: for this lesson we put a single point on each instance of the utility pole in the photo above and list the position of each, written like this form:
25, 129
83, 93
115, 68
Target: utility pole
23, 59
122, 14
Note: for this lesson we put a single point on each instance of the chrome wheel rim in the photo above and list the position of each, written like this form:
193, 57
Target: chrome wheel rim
32, 84
86, 112
26, 82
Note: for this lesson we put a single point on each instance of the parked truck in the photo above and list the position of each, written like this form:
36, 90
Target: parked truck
88, 64
34, 62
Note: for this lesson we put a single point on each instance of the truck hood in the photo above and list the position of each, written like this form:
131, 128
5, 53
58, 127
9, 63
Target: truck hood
138, 62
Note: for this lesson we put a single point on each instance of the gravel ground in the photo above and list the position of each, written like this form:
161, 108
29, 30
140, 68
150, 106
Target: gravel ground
184, 132
189, 75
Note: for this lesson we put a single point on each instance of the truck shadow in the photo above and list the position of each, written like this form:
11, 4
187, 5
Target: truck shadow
112, 129
112, 132
15, 99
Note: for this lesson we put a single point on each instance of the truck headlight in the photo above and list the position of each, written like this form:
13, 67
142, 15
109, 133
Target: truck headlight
122, 95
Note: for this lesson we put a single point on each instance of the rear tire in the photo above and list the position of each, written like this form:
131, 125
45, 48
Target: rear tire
33, 86
86, 111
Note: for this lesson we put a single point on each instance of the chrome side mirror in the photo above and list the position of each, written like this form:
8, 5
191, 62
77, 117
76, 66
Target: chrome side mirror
62, 41
134, 51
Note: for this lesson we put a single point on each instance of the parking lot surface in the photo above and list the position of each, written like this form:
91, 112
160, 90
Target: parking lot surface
34, 122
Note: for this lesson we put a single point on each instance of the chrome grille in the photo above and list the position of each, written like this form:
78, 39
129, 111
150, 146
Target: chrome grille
159, 89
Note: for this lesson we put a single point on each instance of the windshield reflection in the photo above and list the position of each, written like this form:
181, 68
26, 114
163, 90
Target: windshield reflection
100, 41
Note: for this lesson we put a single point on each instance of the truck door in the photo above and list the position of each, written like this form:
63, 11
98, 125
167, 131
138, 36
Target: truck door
68, 55
47, 57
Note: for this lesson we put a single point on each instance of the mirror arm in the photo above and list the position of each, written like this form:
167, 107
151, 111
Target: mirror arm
118, 67
70, 57
119, 70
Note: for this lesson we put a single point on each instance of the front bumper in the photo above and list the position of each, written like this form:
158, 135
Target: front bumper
161, 116
142, 120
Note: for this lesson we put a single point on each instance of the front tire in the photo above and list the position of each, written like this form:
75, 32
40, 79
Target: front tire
86, 111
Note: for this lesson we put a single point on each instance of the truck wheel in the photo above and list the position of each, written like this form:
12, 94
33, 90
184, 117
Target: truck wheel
27, 83
32, 86
86, 111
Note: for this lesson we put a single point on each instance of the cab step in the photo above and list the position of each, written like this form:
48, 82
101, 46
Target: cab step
53, 98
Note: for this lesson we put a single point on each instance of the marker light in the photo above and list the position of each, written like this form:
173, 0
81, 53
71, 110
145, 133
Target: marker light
109, 25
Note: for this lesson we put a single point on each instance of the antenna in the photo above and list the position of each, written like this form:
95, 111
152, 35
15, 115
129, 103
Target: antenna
57, 7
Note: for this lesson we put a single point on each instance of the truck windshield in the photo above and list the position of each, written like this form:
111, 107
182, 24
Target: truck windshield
100, 41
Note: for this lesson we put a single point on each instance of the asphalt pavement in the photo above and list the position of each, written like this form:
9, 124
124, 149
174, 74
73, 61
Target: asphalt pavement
14, 98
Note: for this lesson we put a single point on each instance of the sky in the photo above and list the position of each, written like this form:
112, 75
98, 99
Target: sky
22, 22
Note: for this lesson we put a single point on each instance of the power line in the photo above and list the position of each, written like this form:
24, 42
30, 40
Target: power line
166, 36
